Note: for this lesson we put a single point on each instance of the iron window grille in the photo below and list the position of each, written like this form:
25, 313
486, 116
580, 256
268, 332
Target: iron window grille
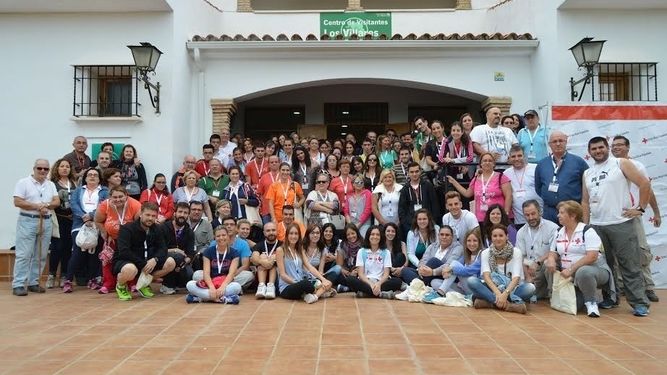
621, 81
105, 91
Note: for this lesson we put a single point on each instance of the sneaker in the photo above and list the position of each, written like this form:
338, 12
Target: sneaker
270, 291
261, 291
94, 284
592, 309
430, 296
607, 304
36, 289
146, 292
650, 294
62, 282
389, 294
192, 299
67, 287
103, 290
481, 303
123, 293
52, 278
330, 293
310, 298
342, 288
317, 284
230, 300
640, 310
519, 308
533, 299
167, 290
404, 286
19, 291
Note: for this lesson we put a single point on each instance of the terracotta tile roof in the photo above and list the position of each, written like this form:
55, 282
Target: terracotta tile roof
311, 37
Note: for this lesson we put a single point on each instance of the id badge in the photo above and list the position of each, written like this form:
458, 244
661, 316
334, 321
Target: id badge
520, 193
532, 156
553, 187
565, 263
484, 207
459, 176
417, 207
595, 199
215, 193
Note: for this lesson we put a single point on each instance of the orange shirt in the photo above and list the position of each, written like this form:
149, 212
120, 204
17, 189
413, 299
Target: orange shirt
281, 228
114, 218
264, 184
282, 194
343, 188
254, 171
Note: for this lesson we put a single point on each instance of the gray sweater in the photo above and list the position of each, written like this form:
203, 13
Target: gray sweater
453, 252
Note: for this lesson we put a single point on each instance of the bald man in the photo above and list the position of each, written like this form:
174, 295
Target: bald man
558, 177
189, 163
493, 138
78, 158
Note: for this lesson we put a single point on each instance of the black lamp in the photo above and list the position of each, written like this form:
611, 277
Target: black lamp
587, 54
146, 57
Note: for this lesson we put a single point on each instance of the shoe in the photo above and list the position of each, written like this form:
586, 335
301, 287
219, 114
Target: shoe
261, 291
430, 296
62, 282
81, 281
330, 293
404, 286
192, 299
67, 287
482, 304
608, 304
533, 299
52, 278
270, 291
317, 284
230, 300
592, 309
123, 293
360, 295
103, 290
342, 288
167, 290
146, 292
640, 310
389, 294
36, 289
94, 284
20, 291
650, 294
310, 298
519, 308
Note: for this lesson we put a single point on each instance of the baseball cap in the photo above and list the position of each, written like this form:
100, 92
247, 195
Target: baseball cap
531, 112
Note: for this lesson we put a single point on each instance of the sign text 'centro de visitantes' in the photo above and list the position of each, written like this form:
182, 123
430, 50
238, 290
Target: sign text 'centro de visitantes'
347, 24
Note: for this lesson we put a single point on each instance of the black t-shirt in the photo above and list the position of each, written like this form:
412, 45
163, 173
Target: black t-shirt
263, 247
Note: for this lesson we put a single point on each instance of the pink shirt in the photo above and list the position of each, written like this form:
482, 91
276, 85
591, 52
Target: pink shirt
488, 193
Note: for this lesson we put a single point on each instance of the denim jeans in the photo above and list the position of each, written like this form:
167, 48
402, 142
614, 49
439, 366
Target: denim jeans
232, 289
30, 259
479, 289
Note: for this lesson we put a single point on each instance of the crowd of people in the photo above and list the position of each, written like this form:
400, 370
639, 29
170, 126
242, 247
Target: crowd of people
487, 210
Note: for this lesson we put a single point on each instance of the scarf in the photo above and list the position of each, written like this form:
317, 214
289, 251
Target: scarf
351, 250
505, 253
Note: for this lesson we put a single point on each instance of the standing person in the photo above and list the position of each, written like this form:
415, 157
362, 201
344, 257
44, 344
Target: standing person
433, 148
608, 207
286, 153
461, 221
288, 219
522, 178
373, 268
301, 169
202, 167
467, 123
349, 151
316, 157
132, 171
458, 149
189, 164
358, 210
535, 240
385, 199
283, 192
331, 167
423, 135
226, 148
533, 138
493, 138
191, 193
558, 177
78, 159
141, 248
239, 194
366, 149
159, 194
35, 196
386, 154
265, 184
416, 194
342, 185
372, 172
237, 161
248, 150
620, 148
321, 202
401, 168
103, 161
62, 175
258, 167
214, 183
264, 258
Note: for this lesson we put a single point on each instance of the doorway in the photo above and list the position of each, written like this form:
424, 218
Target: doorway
355, 118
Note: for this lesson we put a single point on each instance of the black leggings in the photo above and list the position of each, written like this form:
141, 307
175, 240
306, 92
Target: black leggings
356, 285
297, 290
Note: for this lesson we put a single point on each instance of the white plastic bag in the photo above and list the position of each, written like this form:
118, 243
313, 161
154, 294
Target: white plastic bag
563, 295
145, 279
453, 299
86, 239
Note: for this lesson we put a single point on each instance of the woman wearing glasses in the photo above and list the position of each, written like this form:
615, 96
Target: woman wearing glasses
372, 172
159, 194
321, 202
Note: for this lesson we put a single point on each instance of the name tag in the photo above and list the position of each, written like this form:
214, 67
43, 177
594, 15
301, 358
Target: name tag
459, 176
215, 193
417, 207
553, 187
520, 193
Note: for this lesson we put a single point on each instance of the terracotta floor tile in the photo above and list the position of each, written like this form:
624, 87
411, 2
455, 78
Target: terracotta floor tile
169, 341
338, 367
474, 351
295, 338
644, 367
620, 352
19, 353
38, 367
250, 351
431, 352
392, 351
496, 366
445, 366
427, 338
384, 338
553, 366
573, 351
342, 352
189, 367
109, 353
232, 366
143, 367
340, 339
285, 352
61, 353
89, 367
392, 366
597, 367
291, 366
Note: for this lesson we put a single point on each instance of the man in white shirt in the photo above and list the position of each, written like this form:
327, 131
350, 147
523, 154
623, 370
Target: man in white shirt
461, 221
534, 240
226, 150
620, 148
493, 138
522, 177
35, 196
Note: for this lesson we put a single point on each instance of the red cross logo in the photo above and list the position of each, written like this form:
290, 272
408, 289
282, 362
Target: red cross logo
644, 140
587, 157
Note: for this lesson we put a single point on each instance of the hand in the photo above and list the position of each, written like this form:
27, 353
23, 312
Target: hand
44, 209
213, 294
220, 292
657, 220
103, 233
530, 274
396, 271
631, 212
464, 170
501, 300
550, 264
354, 273
496, 155
243, 201
88, 223
566, 273
188, 260
425, 271
345, 272
330, 258
376, 289
446, 272
326, 284
150, 265
213, 200
451, 179
137, 161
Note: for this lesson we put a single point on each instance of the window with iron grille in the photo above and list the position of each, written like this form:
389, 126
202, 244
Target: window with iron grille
105, 91
625, 82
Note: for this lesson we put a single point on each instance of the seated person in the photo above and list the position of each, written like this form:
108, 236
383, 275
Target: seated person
288, 219
470, 266
264, 258
180, 247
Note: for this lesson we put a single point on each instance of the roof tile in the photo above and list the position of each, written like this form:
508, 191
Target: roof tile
325, 37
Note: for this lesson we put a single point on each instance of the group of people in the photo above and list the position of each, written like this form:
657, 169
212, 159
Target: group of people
489, 210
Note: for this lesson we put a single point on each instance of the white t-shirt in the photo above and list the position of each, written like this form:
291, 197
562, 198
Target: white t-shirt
523, 189
225, 154
34, 192
499, 139
573, 249
388, 202
466, 222
534, 243
374, 263
510, 269
634, 189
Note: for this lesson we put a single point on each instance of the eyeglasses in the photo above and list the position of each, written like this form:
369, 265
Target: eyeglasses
43, 169
321, 182
358, 182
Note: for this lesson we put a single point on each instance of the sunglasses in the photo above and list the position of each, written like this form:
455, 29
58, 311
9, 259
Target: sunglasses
358, 182
43, 169
321, 182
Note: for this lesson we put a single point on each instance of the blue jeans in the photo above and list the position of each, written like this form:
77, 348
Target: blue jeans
479, 289
30, 259
232, 289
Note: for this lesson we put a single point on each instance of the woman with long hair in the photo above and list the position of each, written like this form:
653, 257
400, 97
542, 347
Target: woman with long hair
496, 215
358, 166
302, 169
422, 234
349, 151
386, 154
457, 150
471, 263
132, 172
316, 157
159, 194
346, 256
331, 167
372, 171
397, 248
62, 175
316, 253
239, 193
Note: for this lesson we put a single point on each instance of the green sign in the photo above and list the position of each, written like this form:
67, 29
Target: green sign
97, 147
347, 24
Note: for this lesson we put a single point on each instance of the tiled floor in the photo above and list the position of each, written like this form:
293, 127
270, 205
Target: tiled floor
85, 333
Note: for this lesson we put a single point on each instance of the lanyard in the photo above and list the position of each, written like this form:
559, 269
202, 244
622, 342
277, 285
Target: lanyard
158, 197
458, 150
532, 136
217, 257
259, 170
422, 240
403, 169
323, 198
417, 192
532, 240
121, 218
285, 191
347, 179
197, 226
273, 178
485, 185
89, 195
557, 166
266, 246
522, 176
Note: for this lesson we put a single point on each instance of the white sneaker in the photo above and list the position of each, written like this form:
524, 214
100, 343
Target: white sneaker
592, 309
261, 291
310, 298
49, 281
270, 291
167, 290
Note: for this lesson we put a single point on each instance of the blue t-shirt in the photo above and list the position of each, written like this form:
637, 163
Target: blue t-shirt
225, 259
536, 150
240, 245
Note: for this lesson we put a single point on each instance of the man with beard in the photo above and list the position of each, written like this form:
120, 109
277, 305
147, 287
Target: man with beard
181, 247
607, 206
522, 177
263, 256
78, 158
140, 248
535, 240
493, 138
203, 231
401, 168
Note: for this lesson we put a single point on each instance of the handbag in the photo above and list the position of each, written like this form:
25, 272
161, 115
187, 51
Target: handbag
252, 214
338, 221
563, 295
86, 239
298, 214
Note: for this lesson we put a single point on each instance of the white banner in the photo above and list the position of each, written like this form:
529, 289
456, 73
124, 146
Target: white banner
648, 144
